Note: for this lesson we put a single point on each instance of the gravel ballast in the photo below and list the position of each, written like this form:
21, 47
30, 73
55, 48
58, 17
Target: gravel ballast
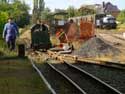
112, 76
96, 47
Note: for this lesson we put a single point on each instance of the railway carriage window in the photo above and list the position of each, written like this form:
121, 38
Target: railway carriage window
61, 22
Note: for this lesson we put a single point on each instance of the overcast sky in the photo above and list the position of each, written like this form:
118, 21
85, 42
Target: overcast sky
63, 4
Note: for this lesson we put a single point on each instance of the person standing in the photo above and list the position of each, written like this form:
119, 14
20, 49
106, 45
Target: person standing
10, 33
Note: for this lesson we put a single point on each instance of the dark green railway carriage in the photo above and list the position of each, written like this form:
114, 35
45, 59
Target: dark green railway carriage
40, 38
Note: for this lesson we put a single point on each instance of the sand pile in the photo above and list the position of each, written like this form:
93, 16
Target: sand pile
96, 47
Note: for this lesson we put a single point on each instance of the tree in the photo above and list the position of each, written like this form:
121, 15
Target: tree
121, 16
18, 10
3, 20
71, 11
41, 5
46, 14
3, 0
37, 10
79, 12
85, 11
21, 14
6, 1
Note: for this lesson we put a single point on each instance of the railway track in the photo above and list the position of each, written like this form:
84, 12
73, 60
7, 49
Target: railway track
66, 57
72, 77
84, 80
118, 37
112, 76
62, 57
113, 40
109, 64
56, 83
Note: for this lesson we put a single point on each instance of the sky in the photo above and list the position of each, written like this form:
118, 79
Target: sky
64, 4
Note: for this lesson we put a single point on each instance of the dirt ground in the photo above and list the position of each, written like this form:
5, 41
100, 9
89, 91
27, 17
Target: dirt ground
112, 37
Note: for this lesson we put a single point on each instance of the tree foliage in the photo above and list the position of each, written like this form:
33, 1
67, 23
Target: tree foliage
4, 1
72, 11
21, 14
46, 14
3, 18
39, 6
18, 10
85, 11
121, 16
79, 12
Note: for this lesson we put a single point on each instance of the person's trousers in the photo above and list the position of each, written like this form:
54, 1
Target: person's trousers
11, 42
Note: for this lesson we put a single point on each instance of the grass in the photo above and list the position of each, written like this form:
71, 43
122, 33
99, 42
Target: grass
18, 77
22, 30
121, 27
4, 51
3, 47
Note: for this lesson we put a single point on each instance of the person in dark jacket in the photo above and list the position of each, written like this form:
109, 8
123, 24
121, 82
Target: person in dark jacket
10, 33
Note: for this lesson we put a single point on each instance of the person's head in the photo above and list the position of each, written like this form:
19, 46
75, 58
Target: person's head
10, 20
71, 21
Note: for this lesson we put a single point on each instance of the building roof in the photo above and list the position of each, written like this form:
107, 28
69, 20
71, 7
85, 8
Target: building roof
109, 7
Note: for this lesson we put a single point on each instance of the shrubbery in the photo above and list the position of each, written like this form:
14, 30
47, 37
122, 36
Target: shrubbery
121, 17
17, 10
3, 19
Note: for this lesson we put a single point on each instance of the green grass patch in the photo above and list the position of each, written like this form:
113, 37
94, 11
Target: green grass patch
22, 30
4, 51
121, 27
18, 77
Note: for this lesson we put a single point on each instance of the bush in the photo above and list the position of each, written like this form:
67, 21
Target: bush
3, 19
121, 27
121, 17
17, 10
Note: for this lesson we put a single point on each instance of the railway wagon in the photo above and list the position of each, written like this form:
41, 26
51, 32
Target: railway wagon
85, 26
40, 38
105, 21
73, 28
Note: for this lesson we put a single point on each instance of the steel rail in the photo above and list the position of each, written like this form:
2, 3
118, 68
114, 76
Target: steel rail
92, 76
66, 77
42, 76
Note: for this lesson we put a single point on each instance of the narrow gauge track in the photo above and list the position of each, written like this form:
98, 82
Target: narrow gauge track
109, 64
112, 76
87, 82
121, 38
113, 40
54, 79
63, 57
114, 65
56, 83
